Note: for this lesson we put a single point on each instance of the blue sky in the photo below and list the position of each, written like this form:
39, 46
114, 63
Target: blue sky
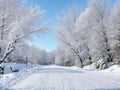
47, 40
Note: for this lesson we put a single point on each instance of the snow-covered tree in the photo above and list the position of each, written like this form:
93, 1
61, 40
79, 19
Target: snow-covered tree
6, 18
114, 27
67, 31
20, 54
51, 57
59, 56
83, 34
17, 23
99, 11
64, 56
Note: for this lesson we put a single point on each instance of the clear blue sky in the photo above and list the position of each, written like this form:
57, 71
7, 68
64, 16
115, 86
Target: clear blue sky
53, 7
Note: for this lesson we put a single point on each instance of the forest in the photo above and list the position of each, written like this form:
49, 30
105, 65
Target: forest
90, 36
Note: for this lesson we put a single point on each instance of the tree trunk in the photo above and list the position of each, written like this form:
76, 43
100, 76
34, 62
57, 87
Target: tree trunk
2, 30
26, 61
80, 61
90, 60
89, 56
0, 52
78, 57
2, 33
107, 47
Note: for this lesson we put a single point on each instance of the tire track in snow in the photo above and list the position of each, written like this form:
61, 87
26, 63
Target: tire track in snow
52, 83
43, 82
66, 81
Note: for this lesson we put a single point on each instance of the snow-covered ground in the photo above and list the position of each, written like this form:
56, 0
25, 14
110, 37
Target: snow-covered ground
61, 78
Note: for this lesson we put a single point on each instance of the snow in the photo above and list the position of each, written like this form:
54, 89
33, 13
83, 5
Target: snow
113, 69
54, 77
14, 66
90, 68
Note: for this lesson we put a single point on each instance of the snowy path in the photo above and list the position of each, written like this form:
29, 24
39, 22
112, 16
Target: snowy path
58, 78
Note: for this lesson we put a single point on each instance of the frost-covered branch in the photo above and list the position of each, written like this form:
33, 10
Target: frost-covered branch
17, 25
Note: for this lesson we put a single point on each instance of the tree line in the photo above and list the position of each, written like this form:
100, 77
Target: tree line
89, 36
